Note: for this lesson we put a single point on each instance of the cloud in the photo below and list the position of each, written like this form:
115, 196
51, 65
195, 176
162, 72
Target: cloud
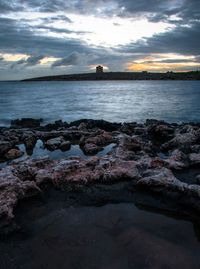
15, 38
45, 27
182, 39
71, 59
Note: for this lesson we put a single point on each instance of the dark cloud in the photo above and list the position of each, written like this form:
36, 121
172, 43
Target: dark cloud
30, 61
23, 36
72, 59
156, 10
182, 39
16, 38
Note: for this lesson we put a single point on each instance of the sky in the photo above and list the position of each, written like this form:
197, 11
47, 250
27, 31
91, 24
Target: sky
51, 37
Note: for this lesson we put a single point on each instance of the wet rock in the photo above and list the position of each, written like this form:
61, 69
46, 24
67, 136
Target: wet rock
91, 148
102, 139
30, 141
69, 134
54, 143
65, 146
12, 189
93, 144
26, 123
13, 154
101, 124
134, 158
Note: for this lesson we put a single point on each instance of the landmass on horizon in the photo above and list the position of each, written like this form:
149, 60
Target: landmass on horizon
101, 75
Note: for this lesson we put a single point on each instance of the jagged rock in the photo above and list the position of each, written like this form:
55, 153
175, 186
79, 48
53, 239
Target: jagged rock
134, 158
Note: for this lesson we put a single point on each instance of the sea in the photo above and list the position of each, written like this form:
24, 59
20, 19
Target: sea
115, 101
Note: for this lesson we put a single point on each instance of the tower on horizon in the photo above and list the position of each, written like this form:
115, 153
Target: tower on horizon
99, 69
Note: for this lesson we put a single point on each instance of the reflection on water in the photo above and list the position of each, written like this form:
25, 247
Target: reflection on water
112, 236
173, 101
40, 151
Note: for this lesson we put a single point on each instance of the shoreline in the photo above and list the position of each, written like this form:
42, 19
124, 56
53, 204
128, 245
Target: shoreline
130, 193
155, 157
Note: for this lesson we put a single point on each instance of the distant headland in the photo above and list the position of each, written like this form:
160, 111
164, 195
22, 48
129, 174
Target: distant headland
101, 75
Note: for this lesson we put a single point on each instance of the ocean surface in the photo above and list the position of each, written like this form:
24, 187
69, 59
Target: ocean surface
119, 101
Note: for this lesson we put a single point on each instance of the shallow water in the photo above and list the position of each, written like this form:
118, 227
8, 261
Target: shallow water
113, 236
120, 101
40, 151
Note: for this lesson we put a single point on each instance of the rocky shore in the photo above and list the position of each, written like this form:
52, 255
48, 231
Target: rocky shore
155, 157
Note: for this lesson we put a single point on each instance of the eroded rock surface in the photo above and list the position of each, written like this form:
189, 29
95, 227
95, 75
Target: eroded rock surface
145, 154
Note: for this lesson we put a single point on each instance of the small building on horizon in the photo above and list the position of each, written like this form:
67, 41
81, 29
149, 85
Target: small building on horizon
99, 69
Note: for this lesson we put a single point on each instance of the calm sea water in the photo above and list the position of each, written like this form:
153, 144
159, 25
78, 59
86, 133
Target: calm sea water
174, 101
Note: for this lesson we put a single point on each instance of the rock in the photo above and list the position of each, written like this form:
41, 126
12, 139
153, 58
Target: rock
56, 125
102, 139
162, 132
101, 124
177, 160
12, 189
13, 154
91, 148
133, 143
194, 159
140, 131
128, 128
154, 122
30, 141
134, 158
156, 163
26, 123
65, 146
5, 146
54, 143
182, 141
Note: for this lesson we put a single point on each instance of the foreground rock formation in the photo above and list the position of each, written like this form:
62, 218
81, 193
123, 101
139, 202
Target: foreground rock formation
152, 156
